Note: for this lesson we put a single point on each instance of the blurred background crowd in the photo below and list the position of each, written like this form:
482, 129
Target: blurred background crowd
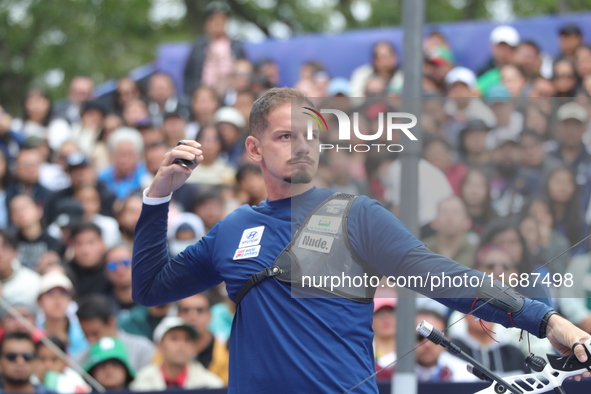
505, 186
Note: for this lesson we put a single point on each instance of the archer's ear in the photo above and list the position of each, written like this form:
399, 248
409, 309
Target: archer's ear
253, 149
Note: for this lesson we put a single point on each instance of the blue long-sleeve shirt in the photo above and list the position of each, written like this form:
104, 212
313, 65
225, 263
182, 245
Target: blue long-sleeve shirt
294, 345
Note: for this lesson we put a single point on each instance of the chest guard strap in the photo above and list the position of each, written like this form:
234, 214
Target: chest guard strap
320, 249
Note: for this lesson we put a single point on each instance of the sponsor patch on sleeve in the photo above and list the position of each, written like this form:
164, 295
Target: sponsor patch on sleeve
247, 253
251, 237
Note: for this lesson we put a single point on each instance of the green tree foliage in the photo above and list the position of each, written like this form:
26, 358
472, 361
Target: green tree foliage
106, 38
100, 38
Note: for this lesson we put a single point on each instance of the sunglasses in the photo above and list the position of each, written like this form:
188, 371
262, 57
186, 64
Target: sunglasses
28, 357
113, 265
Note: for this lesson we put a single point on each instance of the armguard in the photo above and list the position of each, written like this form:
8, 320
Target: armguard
502, 297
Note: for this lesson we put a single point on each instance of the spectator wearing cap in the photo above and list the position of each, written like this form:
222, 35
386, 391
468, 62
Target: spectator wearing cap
439, 61
472, 149
564, 78
18, 281
17, 356
210, 351
55, 300
81, 89
509, 120
176, 343
184, 230
89, 199
108, 363
118, 271
384, 340
338, 87
214, 169
97, 320
213, 56
81, 172
570, 150
69, 212
569, 39
86, 269
162, 97
230, 123
125, 175
384, 64
503, 40
464, 104
26, 178
33, 240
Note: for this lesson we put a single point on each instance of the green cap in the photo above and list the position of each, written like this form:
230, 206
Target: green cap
108, 349
441, 55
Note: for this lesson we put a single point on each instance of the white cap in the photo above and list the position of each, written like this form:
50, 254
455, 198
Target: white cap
572, 110
506, 34
54, 279
170, 322
230, 115
461, 74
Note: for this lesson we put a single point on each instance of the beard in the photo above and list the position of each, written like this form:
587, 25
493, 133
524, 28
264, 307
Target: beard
16, 381
299, 176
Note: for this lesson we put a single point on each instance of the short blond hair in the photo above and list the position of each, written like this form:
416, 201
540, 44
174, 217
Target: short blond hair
272, 99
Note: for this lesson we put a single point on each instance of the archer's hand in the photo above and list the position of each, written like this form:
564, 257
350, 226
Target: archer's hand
562, 334
172, 176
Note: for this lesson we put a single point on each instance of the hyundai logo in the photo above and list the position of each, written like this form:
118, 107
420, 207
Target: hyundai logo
252, 234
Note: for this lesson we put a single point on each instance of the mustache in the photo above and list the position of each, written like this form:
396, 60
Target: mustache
307, 159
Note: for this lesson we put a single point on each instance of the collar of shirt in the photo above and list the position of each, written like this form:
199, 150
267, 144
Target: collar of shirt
179, 381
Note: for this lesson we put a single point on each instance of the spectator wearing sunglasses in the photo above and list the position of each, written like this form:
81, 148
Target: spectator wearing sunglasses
17, 353
118, 271
55, 299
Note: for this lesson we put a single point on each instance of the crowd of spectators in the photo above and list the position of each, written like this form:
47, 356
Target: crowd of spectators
505, 186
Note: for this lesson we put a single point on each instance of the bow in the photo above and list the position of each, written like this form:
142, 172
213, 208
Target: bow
547, 376
587, 345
